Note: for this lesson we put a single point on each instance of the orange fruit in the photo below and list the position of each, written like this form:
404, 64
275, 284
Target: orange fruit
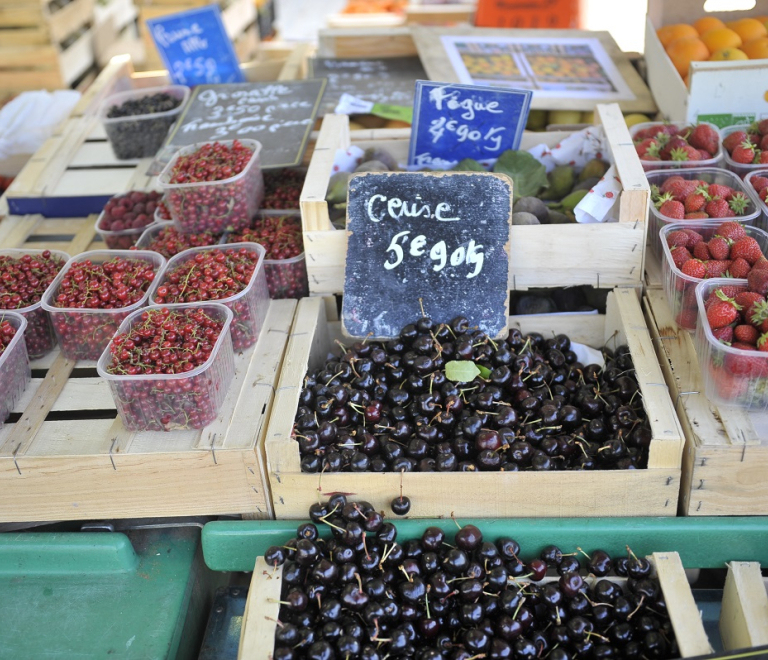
748, 29
757, 49
708, 23
686, 50
668, 33
720, 38
728, 55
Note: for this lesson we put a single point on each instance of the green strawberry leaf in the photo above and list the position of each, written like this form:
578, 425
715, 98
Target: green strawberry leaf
529, 176
461, 371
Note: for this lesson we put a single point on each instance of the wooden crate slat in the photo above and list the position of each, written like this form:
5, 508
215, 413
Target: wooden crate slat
257, 635
93, 181
69, 18
29, 57
744, 614
77, 59
96, 154
349, 43
84, 393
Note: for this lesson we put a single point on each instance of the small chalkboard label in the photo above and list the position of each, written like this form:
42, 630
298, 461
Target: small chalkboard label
280, 115
440, 240
195, 47
452, 122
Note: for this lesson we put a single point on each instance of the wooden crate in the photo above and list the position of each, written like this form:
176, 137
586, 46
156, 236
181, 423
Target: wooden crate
115, 31
724, 463
31, 54
257, 636
69, 457
75, 172
744, 614
541, 256
647, 492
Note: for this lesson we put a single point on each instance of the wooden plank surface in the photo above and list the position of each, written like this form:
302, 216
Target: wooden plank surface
744, 614
257, 635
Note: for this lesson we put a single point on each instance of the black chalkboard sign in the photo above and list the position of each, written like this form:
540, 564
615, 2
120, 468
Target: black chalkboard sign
280, 115
439, 237
387, 80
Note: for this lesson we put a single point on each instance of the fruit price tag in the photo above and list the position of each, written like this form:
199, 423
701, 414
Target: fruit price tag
437, 241
452, 122
195, 47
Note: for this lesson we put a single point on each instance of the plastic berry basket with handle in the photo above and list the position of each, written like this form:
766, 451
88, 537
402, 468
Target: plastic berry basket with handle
141, 136
14, 365
39, 335
217, 206
165, 402
249, 306
750, 186
649, 165
83, 332
742, 169
680, 288
708, 174
732, 376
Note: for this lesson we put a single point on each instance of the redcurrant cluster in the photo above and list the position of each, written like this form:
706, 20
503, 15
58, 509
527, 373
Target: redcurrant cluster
219, 274
281, 237
14, 365
169, 241
282, 190
112, 285
163, 342
162, 214
23, 281
7, 333
223, 205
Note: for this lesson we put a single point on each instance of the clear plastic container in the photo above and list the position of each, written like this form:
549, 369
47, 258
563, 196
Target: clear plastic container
83, 333
649, 165
287, 278
709, 174
739, 168
191, 204
153, 231
165, 402
755, 194
160, 216
141, 136
120, 240
732, 376
249, 307
14, 366
39, 335
680, 288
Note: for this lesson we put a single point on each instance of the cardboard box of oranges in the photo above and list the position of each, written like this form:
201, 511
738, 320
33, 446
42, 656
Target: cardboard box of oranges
708, 66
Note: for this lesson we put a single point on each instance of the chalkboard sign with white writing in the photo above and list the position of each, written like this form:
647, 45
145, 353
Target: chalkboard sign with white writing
280, 115
452, 122
385, 80
195, 47
438, 238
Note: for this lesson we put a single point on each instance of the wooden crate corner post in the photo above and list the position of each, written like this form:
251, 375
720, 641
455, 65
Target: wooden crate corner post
744, 613
262, 606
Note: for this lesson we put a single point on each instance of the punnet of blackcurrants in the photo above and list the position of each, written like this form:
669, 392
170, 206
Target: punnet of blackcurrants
170, 368
137, 121
282, 190
446, 398
14, 362
125, 217
24, 277
214, 186
164, 238
365, 593
232, 275
285, 265
92, 295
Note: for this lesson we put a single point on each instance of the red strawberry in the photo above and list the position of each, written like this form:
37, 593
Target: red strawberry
763, 194
696, 200
758, 281
704, 137
687, 318
680, 255
693, 237
670, 208
762, 126
677, 239
762, 157
722, 313
760, 264
680, 189
746, 334
718, 208
684, 153
719, 190
670, 182
646, 145
746, 248
698, 215
701, 251
717, 268
763, 144
675, 142
719, 248
749, 300
729, 386
746, 365
739, 268
762, 342
723, 335
744, 153
733, 140
739, 203
759, 182
732, 230
694, 268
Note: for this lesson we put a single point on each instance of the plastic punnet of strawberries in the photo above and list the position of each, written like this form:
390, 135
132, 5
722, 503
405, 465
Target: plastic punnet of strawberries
667, 142
695, 199
161, 342
281, 237
219, 275
748, 147
112, 285
23, 280
282, 190
760, 184
223, 205
169, 241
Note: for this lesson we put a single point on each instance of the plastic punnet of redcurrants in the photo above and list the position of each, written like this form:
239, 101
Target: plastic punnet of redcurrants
214, 186
24, 277
286, 266
93, 293
14, 362
232, 275
126, 216
165, 238
170, 368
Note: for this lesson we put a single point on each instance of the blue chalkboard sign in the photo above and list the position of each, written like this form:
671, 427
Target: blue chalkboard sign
195, 47
452, 122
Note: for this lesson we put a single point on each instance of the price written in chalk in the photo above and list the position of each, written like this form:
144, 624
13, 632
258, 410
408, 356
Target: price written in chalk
454, 122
